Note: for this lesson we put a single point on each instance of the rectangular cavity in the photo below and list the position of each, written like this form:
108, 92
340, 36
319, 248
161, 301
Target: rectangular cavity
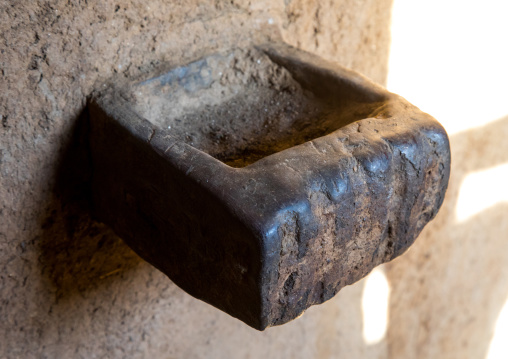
240, 107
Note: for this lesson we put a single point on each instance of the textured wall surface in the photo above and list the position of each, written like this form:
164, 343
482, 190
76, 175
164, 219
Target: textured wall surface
449, 289
449, 293
68, 286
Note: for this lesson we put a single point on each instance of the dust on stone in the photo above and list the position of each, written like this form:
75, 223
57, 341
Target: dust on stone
238, 107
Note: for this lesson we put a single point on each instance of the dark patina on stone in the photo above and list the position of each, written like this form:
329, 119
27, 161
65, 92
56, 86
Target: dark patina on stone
264, 181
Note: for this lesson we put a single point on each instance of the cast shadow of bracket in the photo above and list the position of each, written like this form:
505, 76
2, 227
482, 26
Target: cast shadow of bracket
477, 244
77, 252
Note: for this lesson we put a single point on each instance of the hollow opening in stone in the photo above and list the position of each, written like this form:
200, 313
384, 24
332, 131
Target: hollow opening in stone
240, 107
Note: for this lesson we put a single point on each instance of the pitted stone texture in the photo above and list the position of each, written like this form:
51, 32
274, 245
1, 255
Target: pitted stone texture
68, 283
266, 241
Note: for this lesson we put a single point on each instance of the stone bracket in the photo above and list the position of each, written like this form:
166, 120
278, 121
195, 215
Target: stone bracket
263, 223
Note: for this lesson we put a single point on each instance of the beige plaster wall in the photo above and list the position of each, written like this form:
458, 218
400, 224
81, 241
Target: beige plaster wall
449, 290
70, 288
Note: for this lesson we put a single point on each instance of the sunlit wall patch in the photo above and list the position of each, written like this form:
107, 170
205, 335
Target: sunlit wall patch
482, 190
375, 303
499, 345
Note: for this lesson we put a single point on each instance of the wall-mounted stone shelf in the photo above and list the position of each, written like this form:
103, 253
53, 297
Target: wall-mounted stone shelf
262, 181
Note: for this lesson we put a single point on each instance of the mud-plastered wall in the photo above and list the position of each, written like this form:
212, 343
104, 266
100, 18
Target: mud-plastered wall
69, 288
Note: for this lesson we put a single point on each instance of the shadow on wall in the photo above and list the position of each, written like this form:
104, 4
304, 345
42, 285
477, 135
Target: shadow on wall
78, 253
449, 289
446, 292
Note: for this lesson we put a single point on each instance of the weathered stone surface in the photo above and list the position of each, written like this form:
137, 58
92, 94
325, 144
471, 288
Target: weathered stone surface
68, 283
264, 237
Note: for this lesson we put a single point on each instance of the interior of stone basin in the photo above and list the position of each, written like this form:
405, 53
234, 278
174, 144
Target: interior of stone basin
240, 107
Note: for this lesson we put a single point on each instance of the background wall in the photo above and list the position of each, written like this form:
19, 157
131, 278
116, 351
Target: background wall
449, 292
70, 288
